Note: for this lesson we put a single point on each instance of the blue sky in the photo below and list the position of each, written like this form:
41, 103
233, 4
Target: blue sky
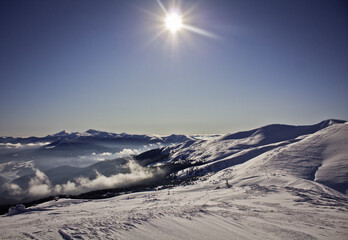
77, 65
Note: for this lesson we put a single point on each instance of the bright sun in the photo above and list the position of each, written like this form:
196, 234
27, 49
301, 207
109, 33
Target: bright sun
173, 22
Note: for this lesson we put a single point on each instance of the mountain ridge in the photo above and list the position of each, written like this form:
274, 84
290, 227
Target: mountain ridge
193, 158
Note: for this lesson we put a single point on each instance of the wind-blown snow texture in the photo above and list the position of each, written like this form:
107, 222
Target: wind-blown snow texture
275, 182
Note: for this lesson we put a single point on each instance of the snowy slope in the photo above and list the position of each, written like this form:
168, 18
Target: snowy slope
289, 183
321, 156
205, 210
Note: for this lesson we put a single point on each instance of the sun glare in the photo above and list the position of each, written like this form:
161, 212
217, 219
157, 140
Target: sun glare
173, 22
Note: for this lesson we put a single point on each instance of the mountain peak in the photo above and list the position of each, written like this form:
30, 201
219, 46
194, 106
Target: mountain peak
329, 122
92, 131
62, 133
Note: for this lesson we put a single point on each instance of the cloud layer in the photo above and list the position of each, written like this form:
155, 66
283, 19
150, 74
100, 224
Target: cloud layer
126, 152
20, 145
40, 186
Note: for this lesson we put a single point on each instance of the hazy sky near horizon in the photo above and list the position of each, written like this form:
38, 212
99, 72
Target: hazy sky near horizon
84, 64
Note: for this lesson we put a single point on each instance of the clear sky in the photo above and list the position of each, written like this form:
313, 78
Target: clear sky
109, 65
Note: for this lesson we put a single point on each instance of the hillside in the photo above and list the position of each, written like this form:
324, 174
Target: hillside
274, 182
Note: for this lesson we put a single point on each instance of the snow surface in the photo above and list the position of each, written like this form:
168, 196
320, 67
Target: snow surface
289, 183
321, 156
205, 210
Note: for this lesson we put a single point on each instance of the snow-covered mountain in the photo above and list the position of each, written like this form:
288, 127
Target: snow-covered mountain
274, 182
317, 152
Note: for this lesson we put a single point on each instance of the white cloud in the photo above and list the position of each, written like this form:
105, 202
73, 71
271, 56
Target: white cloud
106, 154
82, 184
40, 186
38, 144
11, 145
19, 145
126, 152
13, 189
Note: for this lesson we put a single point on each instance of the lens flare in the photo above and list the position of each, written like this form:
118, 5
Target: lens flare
173, 22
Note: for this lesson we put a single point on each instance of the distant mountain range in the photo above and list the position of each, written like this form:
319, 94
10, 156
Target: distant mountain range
66, 155
64, 147
92, 134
